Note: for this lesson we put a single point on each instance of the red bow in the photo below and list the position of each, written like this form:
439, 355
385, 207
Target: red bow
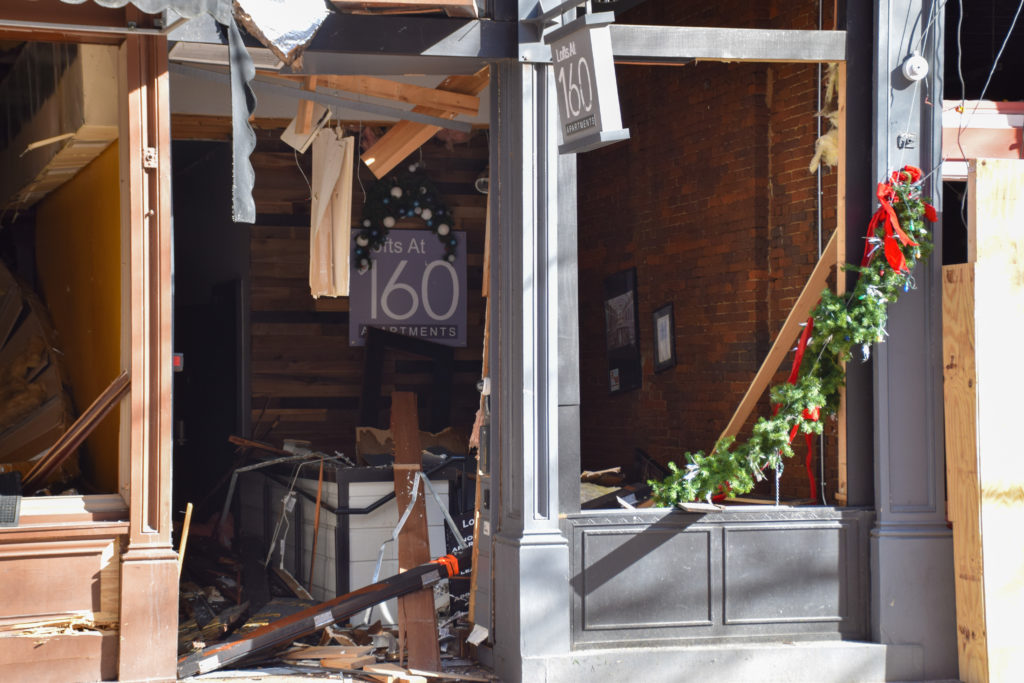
886, 217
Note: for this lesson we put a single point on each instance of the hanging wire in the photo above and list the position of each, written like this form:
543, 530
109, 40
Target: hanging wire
932, 16
295, 153
359, 146
962, 123
1000, 53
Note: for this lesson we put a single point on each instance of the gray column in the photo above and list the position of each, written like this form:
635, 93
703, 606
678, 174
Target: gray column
531, 556
568, 340
912, 554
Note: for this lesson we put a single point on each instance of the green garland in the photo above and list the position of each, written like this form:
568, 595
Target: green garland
897, 239
393, 198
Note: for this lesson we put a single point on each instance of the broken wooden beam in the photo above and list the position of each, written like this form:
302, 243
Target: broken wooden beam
77, 432
287, 629
457, 102
328, 651
417, 625
405, 137
304, 115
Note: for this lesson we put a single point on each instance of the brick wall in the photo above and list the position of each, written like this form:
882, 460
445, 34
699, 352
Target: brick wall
712, 202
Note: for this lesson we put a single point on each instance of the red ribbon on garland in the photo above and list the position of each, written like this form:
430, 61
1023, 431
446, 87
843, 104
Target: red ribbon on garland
811, 414
886, 217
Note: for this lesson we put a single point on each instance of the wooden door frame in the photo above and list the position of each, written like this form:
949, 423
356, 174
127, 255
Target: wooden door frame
148, 592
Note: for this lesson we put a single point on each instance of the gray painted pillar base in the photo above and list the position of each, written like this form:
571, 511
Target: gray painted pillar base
531, 616
912, 594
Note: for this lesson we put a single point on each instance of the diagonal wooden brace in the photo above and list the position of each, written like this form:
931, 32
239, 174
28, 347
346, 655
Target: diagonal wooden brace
805, 303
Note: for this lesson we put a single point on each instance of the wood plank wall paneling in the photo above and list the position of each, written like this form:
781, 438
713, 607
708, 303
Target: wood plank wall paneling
306, 380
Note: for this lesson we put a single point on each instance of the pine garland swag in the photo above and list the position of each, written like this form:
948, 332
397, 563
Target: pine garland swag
397, 196
896, 240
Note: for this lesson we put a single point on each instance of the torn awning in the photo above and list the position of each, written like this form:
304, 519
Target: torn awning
243, 101
286, 27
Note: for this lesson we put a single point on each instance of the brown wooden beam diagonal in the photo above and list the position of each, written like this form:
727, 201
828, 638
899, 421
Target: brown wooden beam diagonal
805, 303
395, 90
405, 137
77, 433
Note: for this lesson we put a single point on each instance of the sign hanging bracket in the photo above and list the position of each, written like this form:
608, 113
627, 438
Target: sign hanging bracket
584, 71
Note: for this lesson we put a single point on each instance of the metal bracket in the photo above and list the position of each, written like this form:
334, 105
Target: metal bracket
906, 141
149, 157
534, 50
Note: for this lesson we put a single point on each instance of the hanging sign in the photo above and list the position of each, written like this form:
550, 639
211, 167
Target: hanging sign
588, 97
411, 289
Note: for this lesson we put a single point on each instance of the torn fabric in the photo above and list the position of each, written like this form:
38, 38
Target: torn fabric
243, 139
243, 101
330, 232
218, 9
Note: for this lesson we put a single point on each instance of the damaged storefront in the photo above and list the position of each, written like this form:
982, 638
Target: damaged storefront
428, 264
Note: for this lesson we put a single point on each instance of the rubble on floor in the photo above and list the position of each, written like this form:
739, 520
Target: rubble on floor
237, 622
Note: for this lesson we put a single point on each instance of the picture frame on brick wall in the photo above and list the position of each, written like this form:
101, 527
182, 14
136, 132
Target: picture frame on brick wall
664, 336
622, 331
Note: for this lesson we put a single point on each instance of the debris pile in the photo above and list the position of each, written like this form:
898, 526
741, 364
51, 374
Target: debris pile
238, 610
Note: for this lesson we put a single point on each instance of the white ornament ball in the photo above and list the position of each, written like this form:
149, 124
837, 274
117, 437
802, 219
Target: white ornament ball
362, 241
418, 210
367, 223
426, 214
396, 192
389, 221
413, 167
443, 229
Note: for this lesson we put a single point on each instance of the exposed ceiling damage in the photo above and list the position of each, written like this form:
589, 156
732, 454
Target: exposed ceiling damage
59, 112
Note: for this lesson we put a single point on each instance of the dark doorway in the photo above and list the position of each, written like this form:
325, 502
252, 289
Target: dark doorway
211, 262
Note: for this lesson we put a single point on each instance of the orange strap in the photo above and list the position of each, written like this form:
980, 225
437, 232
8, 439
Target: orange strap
449, 562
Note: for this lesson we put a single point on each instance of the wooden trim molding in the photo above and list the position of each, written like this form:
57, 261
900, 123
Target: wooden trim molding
36, 511
145, 210
149, 572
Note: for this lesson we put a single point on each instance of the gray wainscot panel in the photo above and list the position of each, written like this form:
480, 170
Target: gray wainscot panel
641, 577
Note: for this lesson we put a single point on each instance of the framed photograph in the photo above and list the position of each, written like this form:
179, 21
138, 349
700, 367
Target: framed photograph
621, 326
664, 338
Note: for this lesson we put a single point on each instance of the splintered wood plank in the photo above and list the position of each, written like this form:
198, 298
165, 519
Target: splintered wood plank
329, 651
446, 100
416, 622
474, 575
803, 306
405, 137
304, 115
350, 662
